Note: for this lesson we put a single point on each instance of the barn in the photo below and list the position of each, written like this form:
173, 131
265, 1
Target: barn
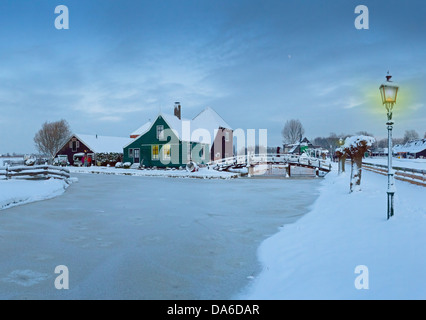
102, 149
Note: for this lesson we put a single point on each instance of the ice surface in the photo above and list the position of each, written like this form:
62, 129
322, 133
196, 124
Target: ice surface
125, 237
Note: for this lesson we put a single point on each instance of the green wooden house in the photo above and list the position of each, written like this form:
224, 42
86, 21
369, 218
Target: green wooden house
164, 143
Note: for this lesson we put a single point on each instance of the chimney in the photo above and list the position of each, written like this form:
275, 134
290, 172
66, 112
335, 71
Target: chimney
178, 110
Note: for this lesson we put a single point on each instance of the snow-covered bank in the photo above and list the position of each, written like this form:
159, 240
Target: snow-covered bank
402, 163
316, 258
203, 173
17, 192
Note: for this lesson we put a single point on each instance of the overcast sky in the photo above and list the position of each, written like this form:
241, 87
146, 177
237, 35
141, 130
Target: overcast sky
257, 63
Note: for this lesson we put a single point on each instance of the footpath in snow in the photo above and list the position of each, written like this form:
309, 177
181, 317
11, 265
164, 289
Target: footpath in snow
16, 192
203, 173
346, 242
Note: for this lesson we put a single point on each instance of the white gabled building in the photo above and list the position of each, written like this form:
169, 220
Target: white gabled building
412, 149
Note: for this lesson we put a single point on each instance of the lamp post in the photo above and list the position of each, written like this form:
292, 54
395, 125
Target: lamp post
341, 156
389, 92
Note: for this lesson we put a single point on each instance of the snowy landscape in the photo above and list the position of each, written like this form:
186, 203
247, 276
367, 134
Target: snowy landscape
316, 257
212, 150
282, 256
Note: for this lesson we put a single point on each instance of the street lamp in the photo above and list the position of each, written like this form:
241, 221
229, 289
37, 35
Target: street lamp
389, 92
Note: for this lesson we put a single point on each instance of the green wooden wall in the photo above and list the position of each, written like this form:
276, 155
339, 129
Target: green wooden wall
178, 149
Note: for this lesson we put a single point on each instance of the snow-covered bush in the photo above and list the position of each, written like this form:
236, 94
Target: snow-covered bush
135, 166
30, 162
105, 159
127, 165
118, 165
355, 147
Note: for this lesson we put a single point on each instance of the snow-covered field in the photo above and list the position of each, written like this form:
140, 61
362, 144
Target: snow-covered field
203, 173
16, 192
3, 160
403, 163
345, 239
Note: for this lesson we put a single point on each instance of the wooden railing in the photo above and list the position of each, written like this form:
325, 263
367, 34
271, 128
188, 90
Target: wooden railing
414, 176
42, 172
272, 158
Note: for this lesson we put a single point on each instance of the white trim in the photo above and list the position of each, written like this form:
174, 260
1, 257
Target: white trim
139, 154
160, 132
163, 149
152, 153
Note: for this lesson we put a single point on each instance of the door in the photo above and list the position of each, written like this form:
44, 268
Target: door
137, 156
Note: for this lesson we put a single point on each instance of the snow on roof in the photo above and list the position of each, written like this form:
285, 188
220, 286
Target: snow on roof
140, 131
176, 124
209, 117
413, 146
104, 144
293, 149
208, 120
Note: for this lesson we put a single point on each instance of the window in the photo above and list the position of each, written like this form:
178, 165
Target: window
75, 145
130, 153
166, 152
136, 153
226, 136
155, 152
160, 132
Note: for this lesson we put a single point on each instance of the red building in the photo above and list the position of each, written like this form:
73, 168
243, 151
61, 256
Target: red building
93, 146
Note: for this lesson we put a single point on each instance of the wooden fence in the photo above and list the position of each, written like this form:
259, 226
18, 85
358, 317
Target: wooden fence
42, 172
414, 176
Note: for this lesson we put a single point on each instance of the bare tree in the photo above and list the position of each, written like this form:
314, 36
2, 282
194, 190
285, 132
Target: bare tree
51, 137
410, 135
364, 133
293, 131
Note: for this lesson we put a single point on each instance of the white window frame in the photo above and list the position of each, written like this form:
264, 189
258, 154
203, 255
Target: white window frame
131, 152
137, 152
157, 156
164, 148
160, 132
77, 145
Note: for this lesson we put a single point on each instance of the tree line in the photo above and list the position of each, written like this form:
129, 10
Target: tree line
293, 132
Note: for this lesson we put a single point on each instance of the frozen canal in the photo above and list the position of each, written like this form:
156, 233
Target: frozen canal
125, 237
